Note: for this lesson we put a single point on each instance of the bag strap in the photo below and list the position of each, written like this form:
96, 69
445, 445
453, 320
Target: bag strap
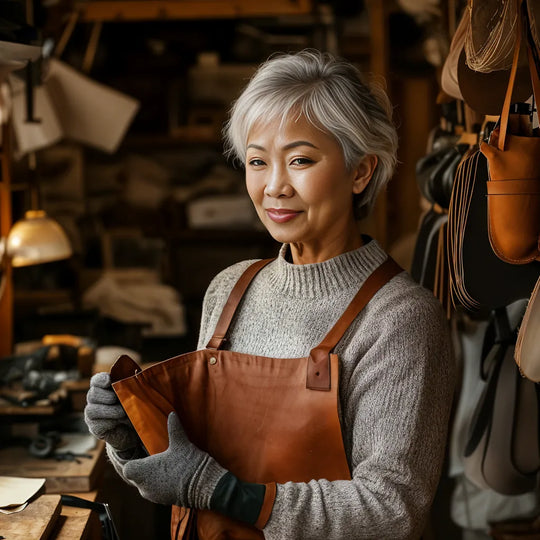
318, 373
512, 79
235, 296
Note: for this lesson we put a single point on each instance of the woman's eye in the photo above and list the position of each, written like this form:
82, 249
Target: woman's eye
301, 161
256, 162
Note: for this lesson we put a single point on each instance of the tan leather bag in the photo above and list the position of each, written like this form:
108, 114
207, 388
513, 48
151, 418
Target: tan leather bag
514, 184
266, 420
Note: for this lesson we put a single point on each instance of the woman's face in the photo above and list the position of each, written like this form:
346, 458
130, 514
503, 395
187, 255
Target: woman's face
301, 189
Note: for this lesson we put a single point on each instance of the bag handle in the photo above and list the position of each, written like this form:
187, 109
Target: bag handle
318, 372
505, 112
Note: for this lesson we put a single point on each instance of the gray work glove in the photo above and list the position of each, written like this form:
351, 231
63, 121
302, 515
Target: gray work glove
107, 420
183, 474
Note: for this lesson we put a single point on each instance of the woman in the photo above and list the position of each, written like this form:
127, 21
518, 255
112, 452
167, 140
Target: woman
318, 146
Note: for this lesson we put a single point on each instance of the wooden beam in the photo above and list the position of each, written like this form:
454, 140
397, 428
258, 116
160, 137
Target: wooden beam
6, 299
380, 67
140, 10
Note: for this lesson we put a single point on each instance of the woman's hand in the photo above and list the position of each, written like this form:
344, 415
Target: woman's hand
105, 417
181, 475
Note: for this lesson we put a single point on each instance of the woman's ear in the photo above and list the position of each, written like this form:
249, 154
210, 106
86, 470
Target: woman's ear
363, 172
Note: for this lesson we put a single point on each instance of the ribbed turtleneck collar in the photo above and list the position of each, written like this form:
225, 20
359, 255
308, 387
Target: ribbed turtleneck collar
328, 277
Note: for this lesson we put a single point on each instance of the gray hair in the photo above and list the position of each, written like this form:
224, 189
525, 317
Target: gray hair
331, 94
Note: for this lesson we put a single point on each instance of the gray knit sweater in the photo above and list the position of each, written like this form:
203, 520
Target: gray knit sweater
397, 376
396, 385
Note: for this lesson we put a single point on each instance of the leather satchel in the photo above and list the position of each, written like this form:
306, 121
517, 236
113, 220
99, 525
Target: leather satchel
514, 174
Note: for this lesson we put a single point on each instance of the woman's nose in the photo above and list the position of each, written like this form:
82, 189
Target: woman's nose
278, 184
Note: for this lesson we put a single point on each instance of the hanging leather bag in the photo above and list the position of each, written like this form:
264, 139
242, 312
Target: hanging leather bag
527, 354
514, 175
479, 280
502, 452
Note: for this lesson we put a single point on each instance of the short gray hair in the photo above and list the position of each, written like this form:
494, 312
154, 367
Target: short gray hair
332, 95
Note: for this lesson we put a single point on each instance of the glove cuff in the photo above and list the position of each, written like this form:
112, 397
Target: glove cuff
243, 501
204, 482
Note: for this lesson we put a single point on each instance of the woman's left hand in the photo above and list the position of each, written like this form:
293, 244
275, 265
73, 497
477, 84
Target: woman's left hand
183, 475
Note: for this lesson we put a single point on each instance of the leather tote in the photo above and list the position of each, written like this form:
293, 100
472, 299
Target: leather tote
514, 173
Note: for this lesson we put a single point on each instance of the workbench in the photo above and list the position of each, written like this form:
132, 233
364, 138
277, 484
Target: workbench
45, 518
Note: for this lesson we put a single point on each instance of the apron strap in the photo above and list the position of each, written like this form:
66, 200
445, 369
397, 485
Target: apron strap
318, 372
222, 326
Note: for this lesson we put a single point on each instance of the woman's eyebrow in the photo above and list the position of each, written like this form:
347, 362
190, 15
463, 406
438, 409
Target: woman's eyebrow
288, 146
299, 143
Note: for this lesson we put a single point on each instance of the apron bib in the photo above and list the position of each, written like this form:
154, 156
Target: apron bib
266, 420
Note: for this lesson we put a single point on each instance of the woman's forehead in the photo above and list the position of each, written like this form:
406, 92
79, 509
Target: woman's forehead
281, 124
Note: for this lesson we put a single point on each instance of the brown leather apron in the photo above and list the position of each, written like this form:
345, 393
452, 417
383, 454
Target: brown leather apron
267, 420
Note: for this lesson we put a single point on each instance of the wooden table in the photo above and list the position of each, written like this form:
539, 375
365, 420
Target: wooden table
45, 518
61, 476
78, 522
35, 522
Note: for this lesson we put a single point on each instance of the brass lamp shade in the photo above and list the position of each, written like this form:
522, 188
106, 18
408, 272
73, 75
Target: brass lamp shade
37, 239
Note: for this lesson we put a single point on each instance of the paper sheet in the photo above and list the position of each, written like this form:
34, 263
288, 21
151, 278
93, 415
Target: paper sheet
15, 491
88, 111
13, 509
71, 105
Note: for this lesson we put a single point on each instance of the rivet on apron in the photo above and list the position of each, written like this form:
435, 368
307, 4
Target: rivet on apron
213, 360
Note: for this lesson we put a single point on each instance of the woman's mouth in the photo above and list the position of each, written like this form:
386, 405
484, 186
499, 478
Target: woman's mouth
281, 215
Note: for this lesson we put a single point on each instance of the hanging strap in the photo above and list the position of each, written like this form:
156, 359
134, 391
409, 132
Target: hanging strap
513, 71
318, 372
222, 326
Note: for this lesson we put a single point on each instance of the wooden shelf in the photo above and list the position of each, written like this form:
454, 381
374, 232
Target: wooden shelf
141, 10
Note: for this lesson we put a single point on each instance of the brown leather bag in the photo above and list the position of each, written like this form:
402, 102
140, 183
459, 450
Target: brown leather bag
514, 170
266, 420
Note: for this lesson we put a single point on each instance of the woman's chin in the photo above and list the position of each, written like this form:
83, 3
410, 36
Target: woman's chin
282, 237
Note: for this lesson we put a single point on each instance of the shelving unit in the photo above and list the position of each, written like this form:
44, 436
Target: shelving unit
195, 256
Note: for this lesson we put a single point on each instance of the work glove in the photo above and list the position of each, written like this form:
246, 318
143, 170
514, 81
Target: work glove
107, 420
186, 476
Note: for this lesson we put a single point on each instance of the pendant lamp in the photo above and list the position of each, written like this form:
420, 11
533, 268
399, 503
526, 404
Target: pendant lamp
36, 239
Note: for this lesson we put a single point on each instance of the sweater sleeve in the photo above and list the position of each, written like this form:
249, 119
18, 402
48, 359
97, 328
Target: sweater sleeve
396, 402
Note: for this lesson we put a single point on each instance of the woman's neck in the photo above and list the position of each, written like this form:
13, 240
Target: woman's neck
303, 253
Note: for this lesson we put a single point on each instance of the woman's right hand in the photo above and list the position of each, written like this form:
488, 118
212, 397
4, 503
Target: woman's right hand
105, 417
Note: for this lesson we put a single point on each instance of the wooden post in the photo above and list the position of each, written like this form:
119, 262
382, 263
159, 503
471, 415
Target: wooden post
6, 301
380, 68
